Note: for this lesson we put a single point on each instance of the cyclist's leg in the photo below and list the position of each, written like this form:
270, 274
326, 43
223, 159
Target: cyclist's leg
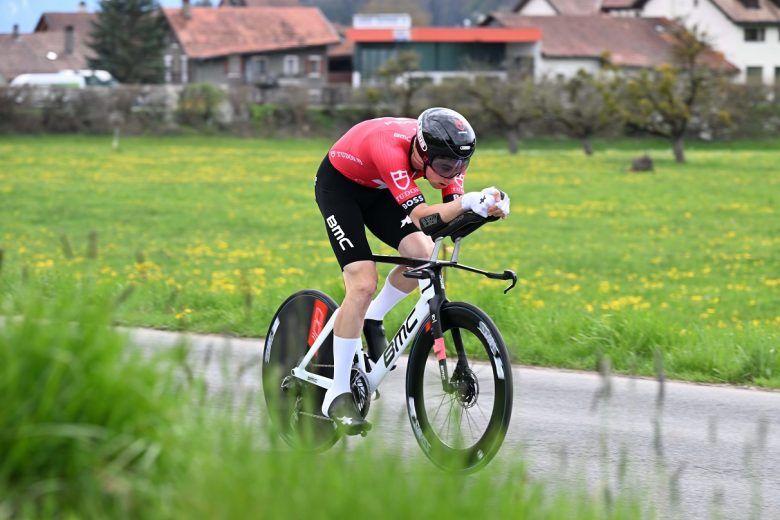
415, 245
340, 202
388, 221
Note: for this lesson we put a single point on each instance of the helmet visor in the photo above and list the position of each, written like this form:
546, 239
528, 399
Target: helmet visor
449, 168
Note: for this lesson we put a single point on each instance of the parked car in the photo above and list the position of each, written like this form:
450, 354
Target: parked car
66, 78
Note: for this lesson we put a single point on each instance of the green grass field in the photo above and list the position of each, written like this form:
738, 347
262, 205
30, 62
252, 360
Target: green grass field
211, 234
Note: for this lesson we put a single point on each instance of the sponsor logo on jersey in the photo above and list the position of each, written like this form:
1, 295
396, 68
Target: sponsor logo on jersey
407, 220
401, 197
407, 138
338, 233
459, 181
400, 179
419, 199
344, 155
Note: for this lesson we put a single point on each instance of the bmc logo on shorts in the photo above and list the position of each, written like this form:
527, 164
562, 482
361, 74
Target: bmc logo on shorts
338, 233
400, 178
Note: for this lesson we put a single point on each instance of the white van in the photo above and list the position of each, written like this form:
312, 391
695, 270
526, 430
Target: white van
66, 78
53, 79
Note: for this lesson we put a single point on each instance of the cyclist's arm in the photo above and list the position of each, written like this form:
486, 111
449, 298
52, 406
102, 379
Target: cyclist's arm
446, 210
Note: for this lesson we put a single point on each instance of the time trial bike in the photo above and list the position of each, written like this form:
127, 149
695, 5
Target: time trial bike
458, 377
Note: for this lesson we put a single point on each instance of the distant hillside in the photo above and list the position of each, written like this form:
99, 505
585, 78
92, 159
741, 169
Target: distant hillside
443, 12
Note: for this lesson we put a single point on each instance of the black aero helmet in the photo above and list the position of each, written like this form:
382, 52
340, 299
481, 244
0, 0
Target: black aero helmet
445, 139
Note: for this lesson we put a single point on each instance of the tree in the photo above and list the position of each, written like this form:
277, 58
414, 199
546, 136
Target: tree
128, 38
397, 85
511, 104
582, 106
665, 100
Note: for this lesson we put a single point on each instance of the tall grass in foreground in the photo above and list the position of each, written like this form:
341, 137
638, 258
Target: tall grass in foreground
89, 427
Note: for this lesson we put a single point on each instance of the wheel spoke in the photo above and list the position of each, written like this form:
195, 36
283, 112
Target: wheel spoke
440, 405
479, 407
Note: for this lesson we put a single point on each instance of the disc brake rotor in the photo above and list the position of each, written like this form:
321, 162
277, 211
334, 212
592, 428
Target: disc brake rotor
466, 386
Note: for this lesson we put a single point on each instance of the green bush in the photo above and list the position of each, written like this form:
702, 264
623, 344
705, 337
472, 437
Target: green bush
198, 104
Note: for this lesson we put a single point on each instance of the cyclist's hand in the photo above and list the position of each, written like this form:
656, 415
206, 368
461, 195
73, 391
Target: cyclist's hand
478, 202
500, 207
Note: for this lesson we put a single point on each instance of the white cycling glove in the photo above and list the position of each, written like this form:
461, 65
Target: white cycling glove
481, 201
477, 202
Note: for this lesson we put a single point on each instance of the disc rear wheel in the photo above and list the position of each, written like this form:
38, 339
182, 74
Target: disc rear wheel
295, 405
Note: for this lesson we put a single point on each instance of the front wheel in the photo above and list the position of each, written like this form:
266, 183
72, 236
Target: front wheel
460, 426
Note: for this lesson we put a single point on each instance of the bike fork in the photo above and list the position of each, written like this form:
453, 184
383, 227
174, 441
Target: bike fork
438, 344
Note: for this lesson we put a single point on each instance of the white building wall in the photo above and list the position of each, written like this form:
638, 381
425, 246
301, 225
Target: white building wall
537, 8
726, 36
567, 67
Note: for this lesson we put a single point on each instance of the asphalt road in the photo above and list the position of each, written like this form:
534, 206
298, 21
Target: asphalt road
701, 451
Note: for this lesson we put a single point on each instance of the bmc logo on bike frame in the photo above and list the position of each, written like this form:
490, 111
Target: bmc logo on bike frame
338, 233
400, 337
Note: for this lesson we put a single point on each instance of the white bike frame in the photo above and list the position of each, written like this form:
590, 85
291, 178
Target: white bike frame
405, 335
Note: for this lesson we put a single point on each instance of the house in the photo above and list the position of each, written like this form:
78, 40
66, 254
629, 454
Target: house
570, 43
579, 7
340, 66
445, 52
259, 3
59, 42
40, 52
746, 31
261, 46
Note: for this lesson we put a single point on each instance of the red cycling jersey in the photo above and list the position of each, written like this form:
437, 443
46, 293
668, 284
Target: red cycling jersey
375, 154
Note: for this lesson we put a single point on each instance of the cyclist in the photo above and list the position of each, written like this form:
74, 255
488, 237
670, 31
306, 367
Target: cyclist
368, 179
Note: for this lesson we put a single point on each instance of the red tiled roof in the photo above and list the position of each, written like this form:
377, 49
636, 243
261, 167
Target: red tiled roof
81, 22
446, 34
631, 42
620, 4
345, 48
244, 30
261, 3
768, 11
27, 53
568, 7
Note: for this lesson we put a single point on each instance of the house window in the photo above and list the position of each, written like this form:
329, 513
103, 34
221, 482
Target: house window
234, 66
291, 65
755, 34
777, 76
261, 65
168, 62
755, 75
314, 66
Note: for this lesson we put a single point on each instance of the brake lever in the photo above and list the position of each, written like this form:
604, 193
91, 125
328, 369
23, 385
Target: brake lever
510, 274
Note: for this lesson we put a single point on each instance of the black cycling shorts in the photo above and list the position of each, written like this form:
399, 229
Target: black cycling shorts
347, 207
